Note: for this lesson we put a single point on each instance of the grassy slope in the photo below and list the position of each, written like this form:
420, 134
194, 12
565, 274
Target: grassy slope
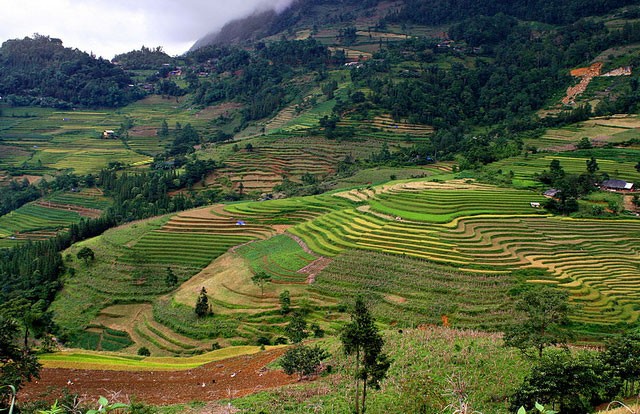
427, 365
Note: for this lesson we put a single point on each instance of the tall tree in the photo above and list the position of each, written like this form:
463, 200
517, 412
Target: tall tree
261, 279
622, 356
361, 338
296, 330
171, 279
285, 301
545, 314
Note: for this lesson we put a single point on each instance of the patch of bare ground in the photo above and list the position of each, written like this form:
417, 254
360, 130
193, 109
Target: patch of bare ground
143, 131
212, 112
365, 194
628, 204
220, 380
281, 228
395, 299
11, 151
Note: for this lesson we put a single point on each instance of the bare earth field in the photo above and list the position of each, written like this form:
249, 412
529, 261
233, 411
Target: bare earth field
219, 380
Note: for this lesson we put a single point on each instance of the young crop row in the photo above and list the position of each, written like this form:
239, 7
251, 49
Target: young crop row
444, 206
412, 292
526, 168
598, 257
181, 248
280, 257
32, 217
81, 199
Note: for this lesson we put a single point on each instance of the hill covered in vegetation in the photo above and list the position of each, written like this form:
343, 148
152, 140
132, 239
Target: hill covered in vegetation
332, 150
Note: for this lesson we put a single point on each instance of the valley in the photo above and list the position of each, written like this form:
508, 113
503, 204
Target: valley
161, 236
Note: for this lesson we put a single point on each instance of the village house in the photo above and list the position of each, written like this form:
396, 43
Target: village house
617, 185
551, 193
108, 134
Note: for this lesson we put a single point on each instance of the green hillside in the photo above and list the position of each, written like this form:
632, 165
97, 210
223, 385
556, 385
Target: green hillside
396, 151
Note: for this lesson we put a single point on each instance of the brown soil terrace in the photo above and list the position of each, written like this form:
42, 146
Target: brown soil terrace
220, 380
82, 211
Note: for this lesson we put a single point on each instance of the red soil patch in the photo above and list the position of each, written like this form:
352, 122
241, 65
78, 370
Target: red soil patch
230, 378
587, 75
9, 150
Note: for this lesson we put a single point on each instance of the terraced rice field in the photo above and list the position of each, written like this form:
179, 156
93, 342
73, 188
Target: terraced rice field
601, 130
33, 217
442, 207
72, 139
617, 163
597, 260
385, 127
286, 155
86, 198
192, 249
280, 257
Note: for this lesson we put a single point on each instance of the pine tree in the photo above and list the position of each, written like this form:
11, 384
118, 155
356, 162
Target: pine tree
362, 339
202, 304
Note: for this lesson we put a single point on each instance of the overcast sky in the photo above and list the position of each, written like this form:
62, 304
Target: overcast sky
109, 27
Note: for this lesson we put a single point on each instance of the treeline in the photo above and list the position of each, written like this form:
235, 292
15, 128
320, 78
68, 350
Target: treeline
40, 71
432, 12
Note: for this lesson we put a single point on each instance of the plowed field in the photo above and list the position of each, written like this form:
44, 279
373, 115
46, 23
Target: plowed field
219, 380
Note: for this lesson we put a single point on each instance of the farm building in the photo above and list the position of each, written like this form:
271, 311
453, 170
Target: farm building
551, 193
616, 185
107, 134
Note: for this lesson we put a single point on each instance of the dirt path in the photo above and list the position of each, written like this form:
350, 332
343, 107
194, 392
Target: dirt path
315, 267
220, 380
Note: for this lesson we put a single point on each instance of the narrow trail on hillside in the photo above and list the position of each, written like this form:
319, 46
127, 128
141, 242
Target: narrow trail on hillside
314, 268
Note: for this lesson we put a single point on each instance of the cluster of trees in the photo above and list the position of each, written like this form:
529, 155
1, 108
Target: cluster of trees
143, 59
41, 71
360, 340
570, 381
256, 79
516, 72
570, 186
17, 194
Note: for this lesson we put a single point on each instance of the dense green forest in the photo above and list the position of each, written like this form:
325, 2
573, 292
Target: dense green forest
437, 12
40, 71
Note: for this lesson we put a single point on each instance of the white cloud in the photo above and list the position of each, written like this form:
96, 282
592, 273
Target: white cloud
109, 27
